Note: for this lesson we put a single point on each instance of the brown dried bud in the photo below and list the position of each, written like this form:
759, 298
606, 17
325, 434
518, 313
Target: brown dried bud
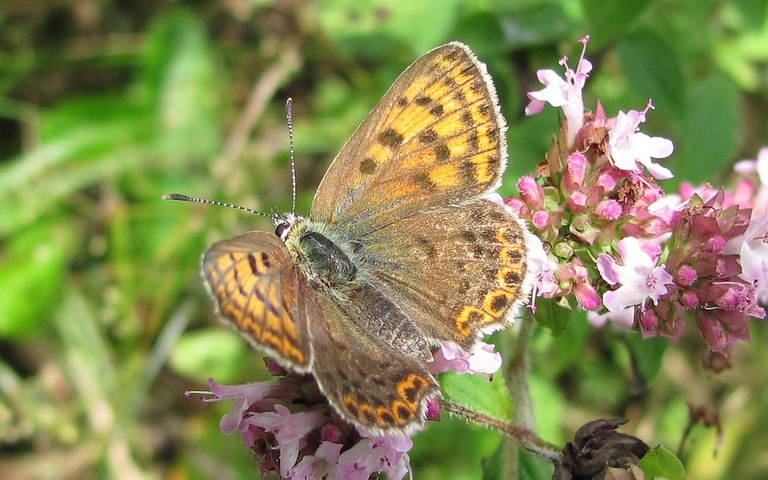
597, 447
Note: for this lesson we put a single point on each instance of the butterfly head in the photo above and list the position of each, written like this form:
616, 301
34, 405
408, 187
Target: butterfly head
284, 223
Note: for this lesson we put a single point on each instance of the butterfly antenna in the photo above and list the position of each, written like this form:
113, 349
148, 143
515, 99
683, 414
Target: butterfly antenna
289, 121
186, 198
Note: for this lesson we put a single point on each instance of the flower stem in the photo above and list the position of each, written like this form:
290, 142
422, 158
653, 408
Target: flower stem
525, 437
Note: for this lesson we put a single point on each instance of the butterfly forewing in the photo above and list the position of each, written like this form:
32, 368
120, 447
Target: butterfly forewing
255, 286
435, 138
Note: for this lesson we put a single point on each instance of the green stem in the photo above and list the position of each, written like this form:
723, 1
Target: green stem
516, 374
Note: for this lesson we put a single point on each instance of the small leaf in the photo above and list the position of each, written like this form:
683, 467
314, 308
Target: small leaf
712, 131
662, 463
212, 352
532, 467
610, 18
662, 82
478, 393
32, 275
361, 27
648, 354
552, 316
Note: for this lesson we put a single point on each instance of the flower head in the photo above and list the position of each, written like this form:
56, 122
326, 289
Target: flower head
639, 277
630, 149
565, 93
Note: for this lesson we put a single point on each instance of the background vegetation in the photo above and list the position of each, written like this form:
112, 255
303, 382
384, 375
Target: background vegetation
106, 105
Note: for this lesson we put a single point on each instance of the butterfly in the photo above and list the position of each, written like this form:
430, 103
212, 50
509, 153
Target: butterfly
402, 251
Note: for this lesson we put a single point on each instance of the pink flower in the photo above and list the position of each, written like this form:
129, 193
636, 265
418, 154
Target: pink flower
623, 319
376, 454
629, 148
289, 430
608, 209
586, 296
759, 202
482, 359
639, 277
319, 465
531, 191
566, 93
752, 248
541, 268
304, 440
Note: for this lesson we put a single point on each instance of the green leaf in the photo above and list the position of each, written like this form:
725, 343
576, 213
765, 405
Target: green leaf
647, 354
212, 352
532, 467
653, 71
436, 452
181, 80
610, 19
662, 463
552, 316
477, 393
32, 277
711, 133
362, 27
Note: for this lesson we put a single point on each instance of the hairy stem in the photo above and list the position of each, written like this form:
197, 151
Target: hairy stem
526, 438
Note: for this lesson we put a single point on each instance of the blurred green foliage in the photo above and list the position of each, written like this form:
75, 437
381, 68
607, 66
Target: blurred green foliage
105, 106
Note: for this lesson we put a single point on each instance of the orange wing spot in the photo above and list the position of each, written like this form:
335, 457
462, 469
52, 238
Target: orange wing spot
349, 402
272, 340
460, 75
242, 270
511, 255
247, 324
379, 152
402, 412
497, 302
409, 390
417, 86
223, 263
459, 146
509, 236
501, 236
289, 328
484, 171
450, 126
272, 322
290, 351
363, 412
367, 414
469, 317
385, 418
445, 176
397, 190
416, 118
508, 277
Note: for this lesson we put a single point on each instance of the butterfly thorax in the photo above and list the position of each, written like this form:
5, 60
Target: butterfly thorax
320, 256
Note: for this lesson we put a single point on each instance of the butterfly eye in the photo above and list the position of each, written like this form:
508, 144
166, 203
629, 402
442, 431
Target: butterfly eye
281, 230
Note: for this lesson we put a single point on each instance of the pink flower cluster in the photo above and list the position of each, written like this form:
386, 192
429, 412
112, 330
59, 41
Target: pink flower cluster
622, 249
293, 431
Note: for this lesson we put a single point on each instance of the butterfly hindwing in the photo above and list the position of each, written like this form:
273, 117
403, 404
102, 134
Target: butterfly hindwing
373, 378
476, 255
